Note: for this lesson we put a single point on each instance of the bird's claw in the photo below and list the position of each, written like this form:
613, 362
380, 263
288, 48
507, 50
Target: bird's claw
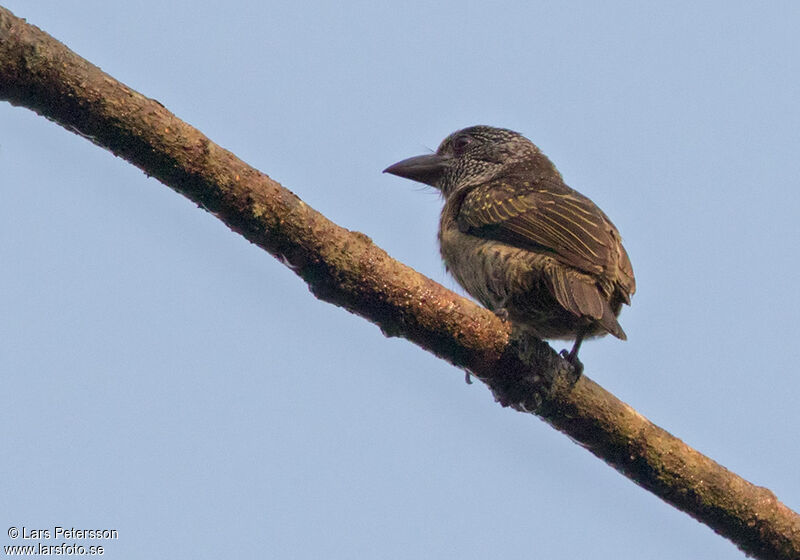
577, 365
502, 313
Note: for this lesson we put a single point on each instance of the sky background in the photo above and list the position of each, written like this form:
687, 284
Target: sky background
165, 378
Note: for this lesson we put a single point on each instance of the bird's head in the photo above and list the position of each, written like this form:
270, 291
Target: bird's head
466, 158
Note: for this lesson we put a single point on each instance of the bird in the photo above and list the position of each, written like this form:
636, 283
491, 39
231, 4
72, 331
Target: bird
520, 241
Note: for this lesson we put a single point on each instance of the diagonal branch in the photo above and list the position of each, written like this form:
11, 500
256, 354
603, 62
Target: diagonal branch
347, 269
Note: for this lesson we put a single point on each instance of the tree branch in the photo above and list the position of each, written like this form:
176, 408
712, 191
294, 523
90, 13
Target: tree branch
347, 269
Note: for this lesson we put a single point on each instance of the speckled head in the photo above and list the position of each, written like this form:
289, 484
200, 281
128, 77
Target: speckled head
467, 157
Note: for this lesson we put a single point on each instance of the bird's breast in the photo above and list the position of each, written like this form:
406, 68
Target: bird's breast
490, 271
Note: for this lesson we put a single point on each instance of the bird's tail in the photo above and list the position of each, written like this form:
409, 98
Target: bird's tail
583, 298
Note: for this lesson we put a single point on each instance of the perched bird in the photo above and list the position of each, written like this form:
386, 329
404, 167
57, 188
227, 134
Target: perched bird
520, 241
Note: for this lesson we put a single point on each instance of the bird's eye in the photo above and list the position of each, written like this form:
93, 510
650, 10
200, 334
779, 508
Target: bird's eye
460, 144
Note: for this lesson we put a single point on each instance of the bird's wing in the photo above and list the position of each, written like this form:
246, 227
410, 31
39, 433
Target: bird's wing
545, 216
626, 279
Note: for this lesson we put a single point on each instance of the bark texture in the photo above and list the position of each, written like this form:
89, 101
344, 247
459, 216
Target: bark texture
345, 268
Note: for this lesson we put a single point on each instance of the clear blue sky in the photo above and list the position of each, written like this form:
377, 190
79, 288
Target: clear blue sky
167, 379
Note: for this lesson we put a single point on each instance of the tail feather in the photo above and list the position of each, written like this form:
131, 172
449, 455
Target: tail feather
581, 296
610, 323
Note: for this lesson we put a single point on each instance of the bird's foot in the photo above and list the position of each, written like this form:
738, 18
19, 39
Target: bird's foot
577, 365
502, 313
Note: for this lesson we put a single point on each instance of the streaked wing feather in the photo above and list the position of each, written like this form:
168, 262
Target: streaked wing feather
549, 216
628, 282
575, 295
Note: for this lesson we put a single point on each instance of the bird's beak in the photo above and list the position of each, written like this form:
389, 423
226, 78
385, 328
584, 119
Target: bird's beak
426, 169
